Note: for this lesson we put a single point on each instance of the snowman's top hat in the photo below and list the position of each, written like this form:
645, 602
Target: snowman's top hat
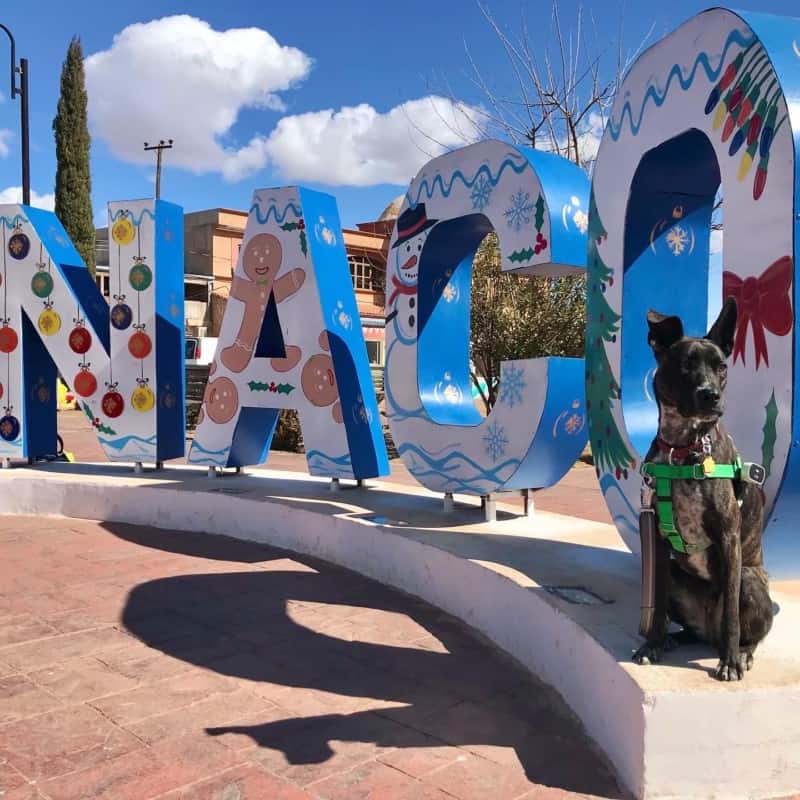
412, 222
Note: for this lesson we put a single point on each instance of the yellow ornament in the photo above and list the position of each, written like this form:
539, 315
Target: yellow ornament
123, 231
708, 465
143, 398
49, 322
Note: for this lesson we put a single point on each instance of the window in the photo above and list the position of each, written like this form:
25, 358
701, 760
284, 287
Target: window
375, 353
101, 279
196, 291
366, 274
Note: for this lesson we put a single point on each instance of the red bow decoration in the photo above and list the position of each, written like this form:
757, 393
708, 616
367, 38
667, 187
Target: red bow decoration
762, 302
400, 288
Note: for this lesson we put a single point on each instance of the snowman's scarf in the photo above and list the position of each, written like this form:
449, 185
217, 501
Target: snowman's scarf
400, 288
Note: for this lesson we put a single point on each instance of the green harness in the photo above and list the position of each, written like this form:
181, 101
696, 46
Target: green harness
664, 474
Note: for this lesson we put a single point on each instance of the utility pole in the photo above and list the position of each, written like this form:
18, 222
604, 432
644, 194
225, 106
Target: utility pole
22, 91
160, 147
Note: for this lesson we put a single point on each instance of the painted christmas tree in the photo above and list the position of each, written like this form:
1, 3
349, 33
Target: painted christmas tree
609, 450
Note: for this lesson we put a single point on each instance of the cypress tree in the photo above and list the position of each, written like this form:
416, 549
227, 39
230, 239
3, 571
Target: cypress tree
73, 179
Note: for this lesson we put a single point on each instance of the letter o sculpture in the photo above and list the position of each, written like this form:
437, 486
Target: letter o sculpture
706, 106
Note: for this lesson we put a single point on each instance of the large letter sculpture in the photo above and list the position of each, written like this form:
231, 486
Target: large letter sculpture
706, 106
291, 338
538, 205
128, 378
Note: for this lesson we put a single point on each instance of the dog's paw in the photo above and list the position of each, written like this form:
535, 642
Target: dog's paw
651, 653
748, 660
733, 669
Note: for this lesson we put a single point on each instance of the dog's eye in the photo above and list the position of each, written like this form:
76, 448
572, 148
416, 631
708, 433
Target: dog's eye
722, 369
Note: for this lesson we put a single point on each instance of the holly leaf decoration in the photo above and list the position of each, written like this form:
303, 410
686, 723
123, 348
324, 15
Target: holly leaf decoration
289, 226
303, 242
275, 388
538, 220
521, 255
770, 434
285, 388
105, 429
88, 412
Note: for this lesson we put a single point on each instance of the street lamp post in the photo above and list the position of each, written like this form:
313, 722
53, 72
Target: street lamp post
22, 91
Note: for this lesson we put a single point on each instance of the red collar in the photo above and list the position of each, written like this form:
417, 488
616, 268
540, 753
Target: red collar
677, 455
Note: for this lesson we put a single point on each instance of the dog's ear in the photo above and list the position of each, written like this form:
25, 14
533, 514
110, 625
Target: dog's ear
664, 331
723, 330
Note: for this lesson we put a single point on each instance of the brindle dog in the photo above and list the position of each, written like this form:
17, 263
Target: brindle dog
721, 594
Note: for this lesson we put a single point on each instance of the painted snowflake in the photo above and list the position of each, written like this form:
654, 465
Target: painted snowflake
481, 193
677, 240
581, 221
495, 440
512, 385
519, 212
449, 292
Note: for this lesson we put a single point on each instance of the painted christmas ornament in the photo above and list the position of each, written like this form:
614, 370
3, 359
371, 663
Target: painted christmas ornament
140, 276
85, 383
41, 392
113, 404
121, 316
9, 428
143, 398
8, 339
140, 345
49, 322
123, 231
19, 246
80, 340
42, 284
2, 391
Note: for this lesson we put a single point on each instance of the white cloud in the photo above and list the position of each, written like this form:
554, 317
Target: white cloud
13, 194
179, 78
358, 146
6, 136
590, 137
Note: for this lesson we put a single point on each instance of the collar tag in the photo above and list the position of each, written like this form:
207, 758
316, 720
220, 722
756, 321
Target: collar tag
708, 465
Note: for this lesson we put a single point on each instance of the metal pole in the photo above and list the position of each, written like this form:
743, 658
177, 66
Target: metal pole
22, 91
158, 173
24, 126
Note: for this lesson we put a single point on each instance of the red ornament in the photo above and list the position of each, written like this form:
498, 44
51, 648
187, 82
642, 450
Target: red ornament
140, 345
80, 340
113, 404
8, 339
85, 384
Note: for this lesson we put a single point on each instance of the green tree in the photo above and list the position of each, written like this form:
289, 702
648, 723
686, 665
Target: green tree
514, 317
73, 178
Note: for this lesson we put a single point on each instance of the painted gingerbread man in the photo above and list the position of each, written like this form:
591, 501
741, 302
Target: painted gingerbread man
317, 375
261, 261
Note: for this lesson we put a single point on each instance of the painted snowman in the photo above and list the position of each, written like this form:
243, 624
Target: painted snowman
413, 227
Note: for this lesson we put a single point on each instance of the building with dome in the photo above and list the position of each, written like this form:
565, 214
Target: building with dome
212, 240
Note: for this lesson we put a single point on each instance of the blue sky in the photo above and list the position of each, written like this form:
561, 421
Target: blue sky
238, 126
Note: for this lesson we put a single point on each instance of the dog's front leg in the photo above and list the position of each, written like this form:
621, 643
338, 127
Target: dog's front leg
732, 664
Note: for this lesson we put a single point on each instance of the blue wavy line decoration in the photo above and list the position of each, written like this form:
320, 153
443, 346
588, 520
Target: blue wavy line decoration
216, 457
13, 221
339, 461
137, 221
430, 187
652, 93
272, 211
438, 466
119, 444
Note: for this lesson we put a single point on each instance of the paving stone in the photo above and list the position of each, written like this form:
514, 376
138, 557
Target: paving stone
23, 628
20, 697
475, 778
241, 783
56, 649
367, 782
63, 741
80, 679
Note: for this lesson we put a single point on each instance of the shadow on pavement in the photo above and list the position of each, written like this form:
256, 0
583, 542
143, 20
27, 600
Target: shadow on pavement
286, 624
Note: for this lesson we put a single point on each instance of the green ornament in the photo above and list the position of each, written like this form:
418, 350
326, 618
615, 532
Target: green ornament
140, 276
42, 284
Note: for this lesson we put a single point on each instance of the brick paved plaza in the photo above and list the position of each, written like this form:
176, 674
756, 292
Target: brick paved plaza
139, 663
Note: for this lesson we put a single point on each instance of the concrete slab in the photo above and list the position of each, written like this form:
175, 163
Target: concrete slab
670, 730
